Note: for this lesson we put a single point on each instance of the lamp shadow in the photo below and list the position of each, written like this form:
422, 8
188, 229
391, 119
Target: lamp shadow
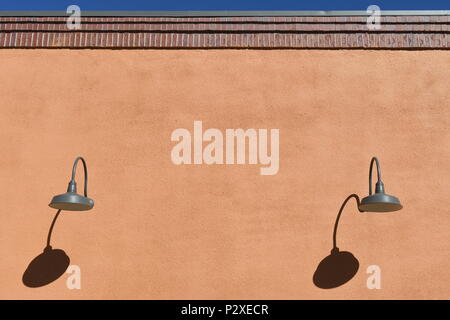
336, 269
46, 268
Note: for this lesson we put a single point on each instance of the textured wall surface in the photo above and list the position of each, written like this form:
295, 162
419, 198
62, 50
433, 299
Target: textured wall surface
161, 231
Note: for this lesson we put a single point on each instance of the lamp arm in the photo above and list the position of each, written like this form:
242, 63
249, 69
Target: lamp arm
339, 216
374, 159
85, 173
51, 228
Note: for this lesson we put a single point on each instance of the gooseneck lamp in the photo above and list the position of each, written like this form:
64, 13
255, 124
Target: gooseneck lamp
52, 263
380, 201
71, 200
341, 266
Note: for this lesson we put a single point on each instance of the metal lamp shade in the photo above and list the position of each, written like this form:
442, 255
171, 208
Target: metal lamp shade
380, 202
71, 201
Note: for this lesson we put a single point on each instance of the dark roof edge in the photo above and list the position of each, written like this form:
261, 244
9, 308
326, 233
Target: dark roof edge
222, 13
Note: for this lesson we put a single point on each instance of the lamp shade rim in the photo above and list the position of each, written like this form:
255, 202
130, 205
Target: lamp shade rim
380, 202
71, 201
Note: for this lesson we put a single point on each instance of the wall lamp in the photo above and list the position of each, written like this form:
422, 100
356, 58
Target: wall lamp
52, 263
341, 266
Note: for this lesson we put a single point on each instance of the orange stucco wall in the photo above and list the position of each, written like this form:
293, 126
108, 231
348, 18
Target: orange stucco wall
161, 231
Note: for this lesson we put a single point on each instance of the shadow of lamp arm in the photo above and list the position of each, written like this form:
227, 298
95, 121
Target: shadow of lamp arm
51, 229
335, 248
339, 266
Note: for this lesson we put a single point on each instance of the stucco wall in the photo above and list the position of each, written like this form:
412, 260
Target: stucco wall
161, 231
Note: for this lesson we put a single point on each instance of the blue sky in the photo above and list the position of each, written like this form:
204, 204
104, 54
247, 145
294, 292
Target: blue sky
61, 5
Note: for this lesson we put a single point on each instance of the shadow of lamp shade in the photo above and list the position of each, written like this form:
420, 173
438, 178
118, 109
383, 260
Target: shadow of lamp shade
52, 263
341, 266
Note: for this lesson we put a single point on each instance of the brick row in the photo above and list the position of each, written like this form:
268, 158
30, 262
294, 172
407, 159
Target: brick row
223, 40
280, 19
235, 27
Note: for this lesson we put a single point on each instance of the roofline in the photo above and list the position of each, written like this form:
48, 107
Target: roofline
223, 13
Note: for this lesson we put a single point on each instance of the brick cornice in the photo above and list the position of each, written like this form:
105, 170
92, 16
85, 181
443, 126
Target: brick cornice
253, 32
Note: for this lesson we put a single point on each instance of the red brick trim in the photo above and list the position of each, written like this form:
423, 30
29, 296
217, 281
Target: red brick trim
397, 32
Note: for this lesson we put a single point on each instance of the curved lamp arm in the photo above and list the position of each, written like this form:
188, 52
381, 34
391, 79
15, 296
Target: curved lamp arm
51, 229
339, 216
379, 187
72, 181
